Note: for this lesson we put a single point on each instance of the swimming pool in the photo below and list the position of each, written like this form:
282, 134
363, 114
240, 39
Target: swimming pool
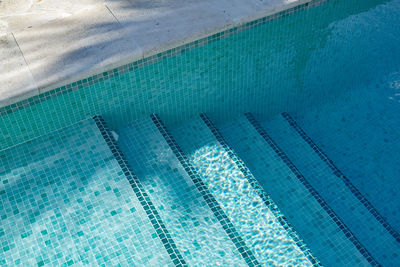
272, 143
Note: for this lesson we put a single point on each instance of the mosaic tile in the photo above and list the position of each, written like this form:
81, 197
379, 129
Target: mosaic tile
254, 216
141, 194
303, 60
336, 171
190, 222
228, 226
310, 219
65, 200
223, 73
361, 139
316, 194
371, 233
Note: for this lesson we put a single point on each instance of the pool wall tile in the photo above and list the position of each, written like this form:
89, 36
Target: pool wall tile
222, 74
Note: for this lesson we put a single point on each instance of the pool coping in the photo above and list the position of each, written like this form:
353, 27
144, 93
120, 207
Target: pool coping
137, 57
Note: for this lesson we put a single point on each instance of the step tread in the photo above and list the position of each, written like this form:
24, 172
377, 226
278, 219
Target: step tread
262, 232
196, 231
65, 199
381, 244
310, 220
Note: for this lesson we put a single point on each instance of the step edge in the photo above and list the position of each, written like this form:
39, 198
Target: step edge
140, 193
336, 171
346, 231
260, 191
299, 149
209, 198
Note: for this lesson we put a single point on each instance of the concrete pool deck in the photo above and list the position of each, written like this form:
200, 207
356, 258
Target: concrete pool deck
50, 52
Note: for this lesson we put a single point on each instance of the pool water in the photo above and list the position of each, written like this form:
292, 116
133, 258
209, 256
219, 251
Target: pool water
65, 200
230, 173
367, 150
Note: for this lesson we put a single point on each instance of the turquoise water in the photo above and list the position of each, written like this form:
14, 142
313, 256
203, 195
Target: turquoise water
65, 201
264, 69
359, 128
312, 223
353, 213
192, 225
368, 149
316, 187
265, 236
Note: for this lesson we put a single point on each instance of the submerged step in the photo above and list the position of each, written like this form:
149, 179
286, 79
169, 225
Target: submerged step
368, 205
64, 199
161, 230
257, 219
195, 229
318, 228
340, 194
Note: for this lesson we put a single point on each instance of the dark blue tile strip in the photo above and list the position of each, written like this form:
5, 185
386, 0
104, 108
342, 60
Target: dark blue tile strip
141, 194
339, 174
246, 253
260, 191
311, 189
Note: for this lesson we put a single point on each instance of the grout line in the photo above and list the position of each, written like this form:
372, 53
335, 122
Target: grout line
112, 14
42, 135
212, 203
141, 194
261, 131
122, 26
341, 176
20, 49
260, 191
26, 63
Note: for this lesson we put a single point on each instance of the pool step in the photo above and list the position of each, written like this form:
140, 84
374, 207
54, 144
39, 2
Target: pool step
197, 232
253, 214
182, 196
355, 211
111, 139
65, 199
329, 240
